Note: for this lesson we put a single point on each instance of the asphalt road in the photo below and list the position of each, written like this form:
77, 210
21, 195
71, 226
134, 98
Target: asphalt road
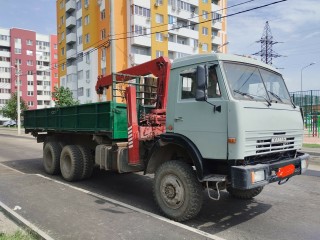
84, 210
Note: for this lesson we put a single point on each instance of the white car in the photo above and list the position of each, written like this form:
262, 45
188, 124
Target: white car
9, 123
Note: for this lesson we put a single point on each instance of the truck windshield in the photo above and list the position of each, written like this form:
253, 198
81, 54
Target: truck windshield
253, 83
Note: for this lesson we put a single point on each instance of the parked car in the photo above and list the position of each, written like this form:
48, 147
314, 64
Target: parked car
9, 123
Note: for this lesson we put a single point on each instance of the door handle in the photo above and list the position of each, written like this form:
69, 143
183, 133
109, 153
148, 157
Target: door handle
177, 119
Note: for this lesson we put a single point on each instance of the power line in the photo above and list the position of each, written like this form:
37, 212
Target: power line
175, 28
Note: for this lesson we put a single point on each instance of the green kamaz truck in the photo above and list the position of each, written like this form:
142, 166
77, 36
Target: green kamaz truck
211, 121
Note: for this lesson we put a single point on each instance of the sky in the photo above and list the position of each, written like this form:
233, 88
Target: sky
295, 23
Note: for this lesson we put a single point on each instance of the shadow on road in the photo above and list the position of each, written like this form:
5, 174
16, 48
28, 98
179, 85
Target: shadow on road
136, 190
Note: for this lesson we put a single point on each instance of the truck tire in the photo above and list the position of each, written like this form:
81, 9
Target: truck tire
177, 191
244, 194
51, 158
71, 163
87, 161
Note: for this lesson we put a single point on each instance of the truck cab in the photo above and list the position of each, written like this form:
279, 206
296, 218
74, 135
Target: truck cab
238, 114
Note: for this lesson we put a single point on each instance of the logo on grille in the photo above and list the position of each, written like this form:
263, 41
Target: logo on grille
278, 139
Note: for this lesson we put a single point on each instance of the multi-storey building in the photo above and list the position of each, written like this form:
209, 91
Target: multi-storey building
144, 29
36, 54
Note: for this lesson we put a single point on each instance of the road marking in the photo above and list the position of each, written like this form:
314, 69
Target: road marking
24, 222
15, 170
205, 234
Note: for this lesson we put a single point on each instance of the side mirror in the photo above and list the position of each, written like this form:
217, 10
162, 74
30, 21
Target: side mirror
202, 83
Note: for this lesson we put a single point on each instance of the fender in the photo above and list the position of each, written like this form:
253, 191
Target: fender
180, 140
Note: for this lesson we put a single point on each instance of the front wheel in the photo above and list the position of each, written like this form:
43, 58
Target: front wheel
244, 194
177, 191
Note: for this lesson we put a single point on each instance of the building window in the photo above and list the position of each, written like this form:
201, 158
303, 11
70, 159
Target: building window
86, 2
80, 91
17, 50
103, 54
30, 93
30, 83
204, 14
62, 51
62, 4
137, 10
30, 103
55, 56
17, 40
103, 71
29, 42
103, 34
204, 47
88, 74
204, 31
159, 53
55, 46
29, 52
216, 17
159, 18
78, 5
159, 37
63, 66
204, 1
18, 61
29, 73
86, 20
80, 40
88, 92
103, 14
139, 30
87, 40
80, 75
61, 20
79, 22
56, 75
29, 62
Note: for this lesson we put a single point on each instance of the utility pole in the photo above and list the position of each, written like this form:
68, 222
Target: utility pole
266, 41
113, 47
18, 99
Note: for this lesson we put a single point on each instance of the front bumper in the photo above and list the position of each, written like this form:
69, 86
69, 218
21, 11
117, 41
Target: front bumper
242, 177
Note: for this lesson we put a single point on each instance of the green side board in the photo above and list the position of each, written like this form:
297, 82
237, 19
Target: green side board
105, 117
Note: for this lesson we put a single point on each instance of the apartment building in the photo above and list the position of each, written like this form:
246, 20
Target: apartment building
144, 30
36, 54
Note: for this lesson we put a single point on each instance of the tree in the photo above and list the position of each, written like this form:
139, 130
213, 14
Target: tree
63, 97
10, 109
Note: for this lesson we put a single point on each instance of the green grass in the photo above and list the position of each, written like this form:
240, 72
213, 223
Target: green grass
311, 145
18, 235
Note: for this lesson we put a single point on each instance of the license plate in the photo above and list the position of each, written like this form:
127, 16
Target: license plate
286, 171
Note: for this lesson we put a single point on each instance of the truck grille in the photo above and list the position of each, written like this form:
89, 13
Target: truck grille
259, 143
267, 145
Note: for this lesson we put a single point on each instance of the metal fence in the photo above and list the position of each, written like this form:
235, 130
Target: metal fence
309, 101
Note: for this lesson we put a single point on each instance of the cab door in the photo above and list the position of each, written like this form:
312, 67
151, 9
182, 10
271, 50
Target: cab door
204, 123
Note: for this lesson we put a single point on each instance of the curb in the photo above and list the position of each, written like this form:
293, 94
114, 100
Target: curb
22, 222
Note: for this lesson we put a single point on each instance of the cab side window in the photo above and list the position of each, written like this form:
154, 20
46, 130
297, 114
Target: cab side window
213, 84
188, 83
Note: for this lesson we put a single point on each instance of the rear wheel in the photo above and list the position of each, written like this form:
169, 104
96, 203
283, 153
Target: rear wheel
244, 194
177, 190
71, 163
87, 161
51, 158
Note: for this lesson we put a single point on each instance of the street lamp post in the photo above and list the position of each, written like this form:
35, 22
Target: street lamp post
17, 70
310, 64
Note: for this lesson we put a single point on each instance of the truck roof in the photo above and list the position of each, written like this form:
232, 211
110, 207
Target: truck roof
203, 58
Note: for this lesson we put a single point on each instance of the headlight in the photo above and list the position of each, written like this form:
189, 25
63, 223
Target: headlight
258, 176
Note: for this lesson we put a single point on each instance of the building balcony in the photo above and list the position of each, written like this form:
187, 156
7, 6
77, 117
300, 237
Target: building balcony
71, 22
216, 40
70, 5
185, 32
72, 69
217, 25
71, 53
187, 49
141, 41
139, 58
71, 38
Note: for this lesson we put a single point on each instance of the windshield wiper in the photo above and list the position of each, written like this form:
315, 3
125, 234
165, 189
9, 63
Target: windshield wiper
252, 96
276, 96
244, 94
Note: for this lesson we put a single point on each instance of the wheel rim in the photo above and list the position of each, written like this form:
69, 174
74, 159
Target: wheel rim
172, 191
66, 164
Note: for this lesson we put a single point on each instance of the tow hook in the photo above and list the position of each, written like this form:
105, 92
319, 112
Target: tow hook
217, 179
283, 181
